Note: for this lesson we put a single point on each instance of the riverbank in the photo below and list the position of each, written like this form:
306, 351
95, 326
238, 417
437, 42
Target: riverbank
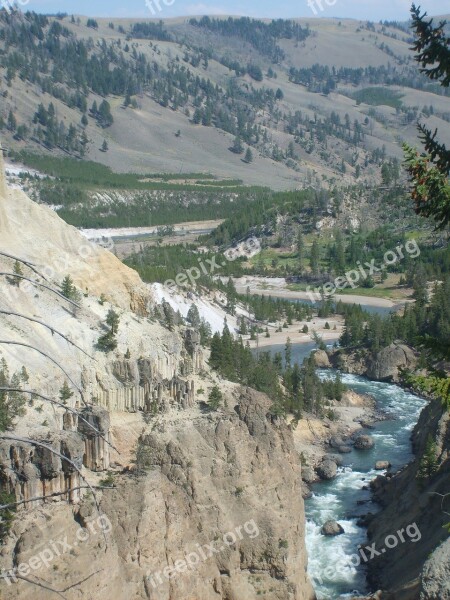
295, 334
277, 288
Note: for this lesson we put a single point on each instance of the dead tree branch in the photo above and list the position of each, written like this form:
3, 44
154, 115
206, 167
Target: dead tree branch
52, 329
55, 495
30, 265
52, 360
40, 285
61, 405
60, 593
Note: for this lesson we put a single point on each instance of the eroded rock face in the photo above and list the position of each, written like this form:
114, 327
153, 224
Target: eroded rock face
223, 473
435, 577
382, 366
418, 510
31, 471
386, 365
321, 359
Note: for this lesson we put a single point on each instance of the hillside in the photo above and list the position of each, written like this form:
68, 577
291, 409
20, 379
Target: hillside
317, 101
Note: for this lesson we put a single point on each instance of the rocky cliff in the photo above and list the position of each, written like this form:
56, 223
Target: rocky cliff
421, 570
136, 474
385, 365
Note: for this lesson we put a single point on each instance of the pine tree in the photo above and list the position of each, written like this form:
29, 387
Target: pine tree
215, 398
429, 462
193, 316
315, 258
67, 288
105, 146
65, 393
300, 251
237, 147
288, 352
248, 156
429, 173
17, 271
113, 319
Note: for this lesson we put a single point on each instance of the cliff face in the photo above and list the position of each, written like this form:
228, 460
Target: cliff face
380, 366
421, 569
232, 472
229, 481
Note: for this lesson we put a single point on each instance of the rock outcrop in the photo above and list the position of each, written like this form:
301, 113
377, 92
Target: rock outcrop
385, 365
229, 480
417, 507
190, 480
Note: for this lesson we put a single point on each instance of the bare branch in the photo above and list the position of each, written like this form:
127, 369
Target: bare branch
51, 359
30, 265
41, 285
60, 404
46, 587
52, 329
55, 495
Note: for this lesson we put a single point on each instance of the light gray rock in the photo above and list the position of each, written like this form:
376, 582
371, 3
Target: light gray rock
335, 458
327, 470
385, 365
332, 528
381, 465
364, 442
435, 577
321, 359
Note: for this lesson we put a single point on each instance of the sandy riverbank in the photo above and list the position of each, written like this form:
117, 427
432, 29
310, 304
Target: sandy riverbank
277, 288
294, 332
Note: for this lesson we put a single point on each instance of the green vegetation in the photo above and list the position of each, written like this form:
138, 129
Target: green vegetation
108, 341
292, 388
430, 173
12, 404
7, 514
378, 96
429, 462
262, 36
215, 399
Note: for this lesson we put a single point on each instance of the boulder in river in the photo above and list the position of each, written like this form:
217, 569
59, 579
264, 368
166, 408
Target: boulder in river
364, 442
344, 449
332, 528
335, 458
327, 470
321, 359
382, 465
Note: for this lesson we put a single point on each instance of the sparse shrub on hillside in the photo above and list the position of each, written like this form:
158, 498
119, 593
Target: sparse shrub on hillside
215, 398
12, 404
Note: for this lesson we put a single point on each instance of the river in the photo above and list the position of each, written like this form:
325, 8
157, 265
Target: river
344, 499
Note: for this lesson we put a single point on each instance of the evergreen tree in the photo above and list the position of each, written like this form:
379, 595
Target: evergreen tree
248, 156
215, 399
288, 352
113, 319
65, 393
429, 462
429, 173
193, 316
237, 147
315, 258
68, 289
